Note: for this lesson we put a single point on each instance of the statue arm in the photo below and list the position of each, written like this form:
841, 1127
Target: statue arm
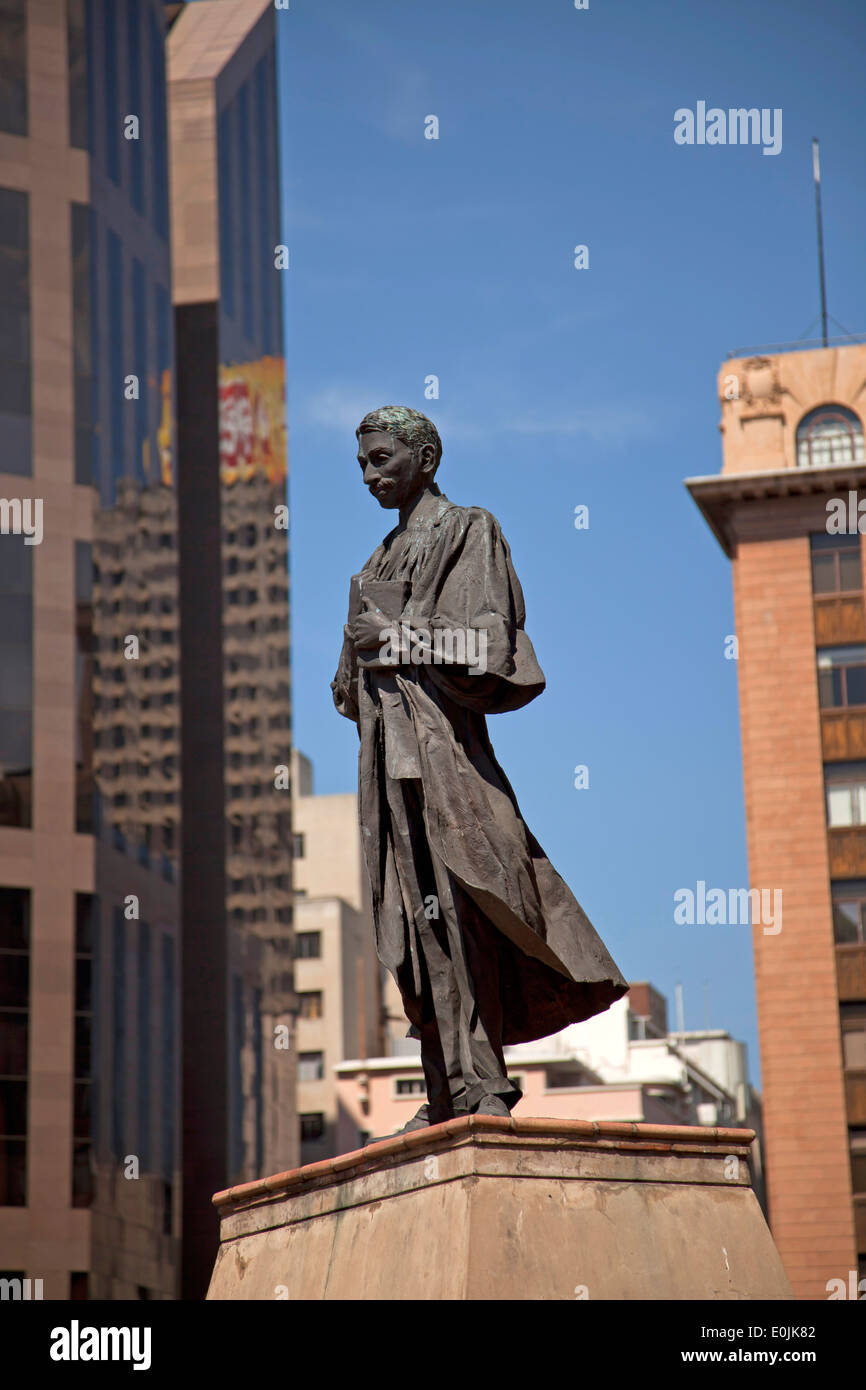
344, 686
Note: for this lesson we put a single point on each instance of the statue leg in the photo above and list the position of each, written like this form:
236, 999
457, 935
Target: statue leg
451, 970
461, 1014
440, 1027
473, 950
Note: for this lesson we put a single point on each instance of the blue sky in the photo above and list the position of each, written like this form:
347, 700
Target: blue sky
558, 386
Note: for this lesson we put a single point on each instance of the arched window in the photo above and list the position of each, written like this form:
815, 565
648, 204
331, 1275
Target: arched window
829, 435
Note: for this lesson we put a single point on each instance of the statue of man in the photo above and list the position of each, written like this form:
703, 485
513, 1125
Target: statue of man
486, 942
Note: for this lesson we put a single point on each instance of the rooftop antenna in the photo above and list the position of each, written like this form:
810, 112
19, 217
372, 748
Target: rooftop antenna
816, 172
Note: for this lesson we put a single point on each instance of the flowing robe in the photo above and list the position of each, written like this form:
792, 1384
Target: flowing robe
423, 729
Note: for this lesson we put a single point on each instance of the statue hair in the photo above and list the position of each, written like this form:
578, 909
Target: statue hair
407, 425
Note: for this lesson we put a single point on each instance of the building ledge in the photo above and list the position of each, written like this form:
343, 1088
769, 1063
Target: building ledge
622, 1136
801, 345
715, 494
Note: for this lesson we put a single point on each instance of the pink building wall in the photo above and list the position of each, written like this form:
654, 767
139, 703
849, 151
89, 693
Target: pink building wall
386, 1111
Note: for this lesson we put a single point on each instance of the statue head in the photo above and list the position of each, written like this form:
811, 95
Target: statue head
399, 451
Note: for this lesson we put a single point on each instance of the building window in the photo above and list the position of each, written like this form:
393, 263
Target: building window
312, 1127
845, 785
836, 567
830, 435
140, 332
410, 1086
265, 180
116, 342
168, 1063
853, 1021
14, 1030
297, 846
78, 1286
13, 67
841, 676
159, 144
310, 1003
311, 1066
858, 1161
111, 101
237, 1098
15, 395
143, 1055
225, 185
247, 253
849, 912
134, 148
83, 1110
16, 686
76, 54
308, 945
567, 1076
118, 1024
85, 790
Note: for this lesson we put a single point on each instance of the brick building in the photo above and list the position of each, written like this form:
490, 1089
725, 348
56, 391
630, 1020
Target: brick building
793, 463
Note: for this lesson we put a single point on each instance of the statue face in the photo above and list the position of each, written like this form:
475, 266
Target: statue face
389, 470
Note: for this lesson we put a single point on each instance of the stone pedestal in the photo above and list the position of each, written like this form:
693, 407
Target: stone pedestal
489, 1208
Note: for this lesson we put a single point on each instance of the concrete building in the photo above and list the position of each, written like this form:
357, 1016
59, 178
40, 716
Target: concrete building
786, 509
337, 973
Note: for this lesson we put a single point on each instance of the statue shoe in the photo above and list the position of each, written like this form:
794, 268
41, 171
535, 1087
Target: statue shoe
420, 1120
491, 1105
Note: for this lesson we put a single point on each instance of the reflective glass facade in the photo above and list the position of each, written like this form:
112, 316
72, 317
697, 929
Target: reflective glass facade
232, 471
89, 704
92, 703
131, 758
255, 588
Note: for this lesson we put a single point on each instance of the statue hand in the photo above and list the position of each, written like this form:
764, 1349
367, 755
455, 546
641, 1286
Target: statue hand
368, 627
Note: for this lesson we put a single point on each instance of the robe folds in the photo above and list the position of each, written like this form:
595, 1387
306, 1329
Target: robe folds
426, 723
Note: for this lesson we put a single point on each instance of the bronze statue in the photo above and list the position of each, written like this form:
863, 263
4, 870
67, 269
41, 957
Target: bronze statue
487, 944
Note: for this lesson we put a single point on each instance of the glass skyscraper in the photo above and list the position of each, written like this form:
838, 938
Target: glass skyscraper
128, 633
231, 447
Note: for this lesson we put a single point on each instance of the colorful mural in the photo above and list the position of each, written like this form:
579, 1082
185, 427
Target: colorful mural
253, 420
